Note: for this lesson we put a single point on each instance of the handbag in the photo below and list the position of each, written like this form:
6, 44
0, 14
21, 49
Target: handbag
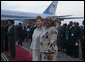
50, 51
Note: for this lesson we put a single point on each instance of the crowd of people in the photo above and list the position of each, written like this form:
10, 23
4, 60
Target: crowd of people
10, 35
8, 38
26, 30
71, 39
68, 38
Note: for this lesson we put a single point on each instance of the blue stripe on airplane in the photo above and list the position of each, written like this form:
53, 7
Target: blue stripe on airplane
13, 16
47, 10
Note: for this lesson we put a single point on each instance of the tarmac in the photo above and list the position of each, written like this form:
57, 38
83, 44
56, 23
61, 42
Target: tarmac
61, 55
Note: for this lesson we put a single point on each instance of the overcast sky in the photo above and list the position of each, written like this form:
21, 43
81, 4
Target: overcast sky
75, 8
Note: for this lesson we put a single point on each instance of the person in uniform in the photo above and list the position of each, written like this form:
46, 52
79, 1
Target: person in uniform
49, 47
37, 34
11, 39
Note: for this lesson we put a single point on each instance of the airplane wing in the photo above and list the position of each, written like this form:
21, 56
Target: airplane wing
66, 17
73, 18
62, 18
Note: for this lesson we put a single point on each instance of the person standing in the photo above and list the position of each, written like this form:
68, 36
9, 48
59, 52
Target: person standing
82, 40
49, 47
64, 37
11, 39
6, 36
20, 33
70, 37
59, 40
35, 45
2, 37
31, 30
76, 33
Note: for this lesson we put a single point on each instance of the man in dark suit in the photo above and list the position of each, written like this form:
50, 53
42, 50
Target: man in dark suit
2, 37
64, 37
75, 38
11, 39
20, 34
59, 40
82, 40
31, 32
6, 36
70, 37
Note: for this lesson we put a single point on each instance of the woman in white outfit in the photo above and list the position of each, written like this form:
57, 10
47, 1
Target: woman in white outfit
35, 45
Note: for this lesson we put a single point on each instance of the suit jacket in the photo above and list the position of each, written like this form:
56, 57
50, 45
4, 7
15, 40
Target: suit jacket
6, 31
2, 37
11, 33
2, 32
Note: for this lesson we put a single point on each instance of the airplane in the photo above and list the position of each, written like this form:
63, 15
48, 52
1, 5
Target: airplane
50, 11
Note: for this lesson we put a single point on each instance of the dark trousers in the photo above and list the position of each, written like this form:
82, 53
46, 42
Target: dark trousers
83, 52
68, 50
2, 45
20, 40
6, 44
68, 47
75, 51
12, 50
82, 47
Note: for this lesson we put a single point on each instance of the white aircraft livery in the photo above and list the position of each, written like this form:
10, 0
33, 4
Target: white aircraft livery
50, 11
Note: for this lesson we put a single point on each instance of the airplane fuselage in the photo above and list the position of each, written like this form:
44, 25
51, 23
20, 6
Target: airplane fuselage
21, 15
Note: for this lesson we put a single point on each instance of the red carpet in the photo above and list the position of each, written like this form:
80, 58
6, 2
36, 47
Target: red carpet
21, 55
